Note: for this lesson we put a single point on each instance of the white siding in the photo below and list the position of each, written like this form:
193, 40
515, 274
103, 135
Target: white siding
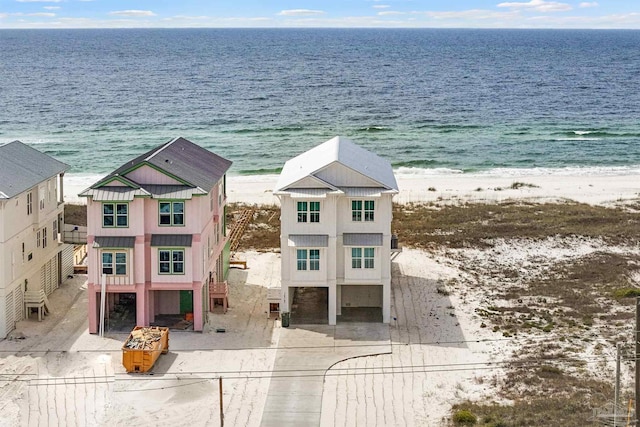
341, 176
9, 315
67, 261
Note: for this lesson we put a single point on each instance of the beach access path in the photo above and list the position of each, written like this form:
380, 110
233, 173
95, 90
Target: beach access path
305, 353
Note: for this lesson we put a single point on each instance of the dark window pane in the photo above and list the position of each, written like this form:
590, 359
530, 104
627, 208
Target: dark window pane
178, 267
165, 207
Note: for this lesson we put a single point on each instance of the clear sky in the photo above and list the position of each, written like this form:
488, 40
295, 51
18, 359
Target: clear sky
318, 13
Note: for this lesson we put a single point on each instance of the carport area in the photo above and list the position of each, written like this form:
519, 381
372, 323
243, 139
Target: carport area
310, 306
360, 303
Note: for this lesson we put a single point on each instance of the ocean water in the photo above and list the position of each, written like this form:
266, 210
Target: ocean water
431, 101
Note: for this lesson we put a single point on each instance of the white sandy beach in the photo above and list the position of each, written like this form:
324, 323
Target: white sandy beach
432, 333
420, 186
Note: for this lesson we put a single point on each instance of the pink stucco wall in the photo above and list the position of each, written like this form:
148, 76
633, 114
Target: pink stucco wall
142, 261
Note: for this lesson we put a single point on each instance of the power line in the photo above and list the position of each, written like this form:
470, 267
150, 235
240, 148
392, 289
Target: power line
392, 344
294, 373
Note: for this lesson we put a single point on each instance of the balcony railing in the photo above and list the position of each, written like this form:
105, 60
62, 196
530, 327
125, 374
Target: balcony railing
218, 295
218, 289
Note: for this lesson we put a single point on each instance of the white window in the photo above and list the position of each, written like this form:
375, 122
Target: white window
55, 229
308, 211
171, 261
38, 234
41, 194
362, 209
114, 263
363, 257
29, 203
115, 215
308, 259
44, 237
171, 213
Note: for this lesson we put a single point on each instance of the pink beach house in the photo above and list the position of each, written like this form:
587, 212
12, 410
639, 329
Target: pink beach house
156, 231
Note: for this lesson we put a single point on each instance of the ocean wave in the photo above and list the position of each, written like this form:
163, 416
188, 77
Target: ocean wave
415, 163
412, 172
375, 129
260, 171
578, 138
417, 172
598, 133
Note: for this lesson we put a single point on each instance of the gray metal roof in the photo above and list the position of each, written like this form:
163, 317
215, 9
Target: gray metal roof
343, 151
171, 240
309, 240
173, 191
113, 194
190, 163
362, 239
309, 193
114, 242
363, 191
23, 167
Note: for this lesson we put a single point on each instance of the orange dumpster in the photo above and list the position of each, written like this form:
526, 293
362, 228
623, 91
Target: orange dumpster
143, 347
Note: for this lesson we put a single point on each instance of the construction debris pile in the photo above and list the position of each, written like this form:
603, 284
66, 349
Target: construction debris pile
144, 338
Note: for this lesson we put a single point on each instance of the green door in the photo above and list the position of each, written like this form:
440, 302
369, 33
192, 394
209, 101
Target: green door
186, 302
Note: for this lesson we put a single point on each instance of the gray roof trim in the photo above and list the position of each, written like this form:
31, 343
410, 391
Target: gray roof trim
171, 240
309, 240
362, 239
23, 167
114, 242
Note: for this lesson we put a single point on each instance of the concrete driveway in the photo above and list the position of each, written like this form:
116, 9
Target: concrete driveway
304, 354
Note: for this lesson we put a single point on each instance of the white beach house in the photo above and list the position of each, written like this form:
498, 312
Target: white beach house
31, 217
336, 211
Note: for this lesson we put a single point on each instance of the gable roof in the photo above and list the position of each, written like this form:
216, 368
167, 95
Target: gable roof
180, 158
343, 151
23, 167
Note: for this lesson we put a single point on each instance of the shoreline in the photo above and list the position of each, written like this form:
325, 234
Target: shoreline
448, 188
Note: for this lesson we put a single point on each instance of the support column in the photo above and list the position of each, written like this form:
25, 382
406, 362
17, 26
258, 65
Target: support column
197, 307
339, 300
386, 301
93, 308
142, 318
332, 305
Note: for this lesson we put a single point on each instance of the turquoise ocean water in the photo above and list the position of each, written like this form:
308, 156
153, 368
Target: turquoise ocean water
431, 101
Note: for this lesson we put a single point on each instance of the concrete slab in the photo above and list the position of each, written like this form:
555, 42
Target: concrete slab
304, 355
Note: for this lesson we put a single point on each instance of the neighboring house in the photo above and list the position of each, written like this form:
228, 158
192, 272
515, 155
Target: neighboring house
31, 218
156, 231
336, 215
